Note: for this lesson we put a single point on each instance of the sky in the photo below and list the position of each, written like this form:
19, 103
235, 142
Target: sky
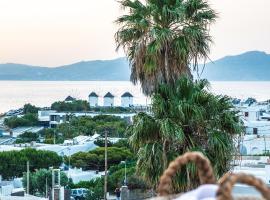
58, 32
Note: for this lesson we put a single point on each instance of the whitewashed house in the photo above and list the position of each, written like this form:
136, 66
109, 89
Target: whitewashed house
108, 100
256, 122
127, 100
93, 99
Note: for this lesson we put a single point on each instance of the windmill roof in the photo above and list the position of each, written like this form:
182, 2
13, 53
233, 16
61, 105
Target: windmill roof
127, 94
93, 94
109, 95
69, 98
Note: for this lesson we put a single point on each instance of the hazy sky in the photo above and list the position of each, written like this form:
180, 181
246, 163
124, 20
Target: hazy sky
57, 32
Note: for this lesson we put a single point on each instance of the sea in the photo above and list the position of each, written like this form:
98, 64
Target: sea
14, 94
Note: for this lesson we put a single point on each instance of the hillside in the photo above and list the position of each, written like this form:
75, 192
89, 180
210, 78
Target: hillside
249, 66
86, 70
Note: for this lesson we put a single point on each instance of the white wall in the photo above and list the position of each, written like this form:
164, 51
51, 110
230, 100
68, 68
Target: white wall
252, 115
93, 101
126, 101
263, 127
108, 101
254, 145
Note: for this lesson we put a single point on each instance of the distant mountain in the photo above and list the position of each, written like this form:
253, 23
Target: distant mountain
249, 66
98, 70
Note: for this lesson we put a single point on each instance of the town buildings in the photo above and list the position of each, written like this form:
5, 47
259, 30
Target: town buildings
255, 117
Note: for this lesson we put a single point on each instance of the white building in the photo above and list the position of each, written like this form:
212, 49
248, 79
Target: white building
59, 118
255, 144
257, 127
93, 99
256, 121
44, 117
108, 100
127, 100
62, 117
78, 175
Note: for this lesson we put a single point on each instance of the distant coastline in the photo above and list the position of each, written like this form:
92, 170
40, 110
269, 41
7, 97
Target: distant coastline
249, 66
14, 94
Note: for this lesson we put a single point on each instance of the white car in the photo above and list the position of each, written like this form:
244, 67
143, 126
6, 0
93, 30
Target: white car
79, 193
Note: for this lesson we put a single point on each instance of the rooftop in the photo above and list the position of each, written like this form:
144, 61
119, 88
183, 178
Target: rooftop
127, 94
93, 94
109, 95
70, 98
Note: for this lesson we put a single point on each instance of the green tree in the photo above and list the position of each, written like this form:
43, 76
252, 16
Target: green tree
27, 137
75, 106
186, 117
164, 38
95, 159
89, 125
38, 178
13, 163
29, 108
28, 119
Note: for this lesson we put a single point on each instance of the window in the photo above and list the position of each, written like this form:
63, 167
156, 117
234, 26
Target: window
246, 114
255, 131
74, 192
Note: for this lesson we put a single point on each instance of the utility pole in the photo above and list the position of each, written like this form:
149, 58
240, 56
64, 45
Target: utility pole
125, 173
264, 144
27, 189
106, 165
54, 137
52, 182
46, 192
68, 162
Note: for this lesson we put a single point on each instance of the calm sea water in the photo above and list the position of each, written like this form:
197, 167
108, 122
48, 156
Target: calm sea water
14, 94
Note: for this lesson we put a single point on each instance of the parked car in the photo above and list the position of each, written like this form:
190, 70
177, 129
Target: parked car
79, 193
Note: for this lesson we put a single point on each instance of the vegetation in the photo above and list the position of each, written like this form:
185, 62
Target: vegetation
77, 126
121, 143
28, 119
50, 135
37, 181
101, 143
13, 163
76, 106
115, 179
163, 39
94, 159
29, 108
112, 109
91, 125
82, 105
186, 117
27, 137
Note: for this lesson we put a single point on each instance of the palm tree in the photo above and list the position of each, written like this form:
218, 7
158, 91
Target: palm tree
164, 38
185, 117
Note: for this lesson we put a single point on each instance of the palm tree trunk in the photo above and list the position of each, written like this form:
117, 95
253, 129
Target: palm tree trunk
167, 78
165, 160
